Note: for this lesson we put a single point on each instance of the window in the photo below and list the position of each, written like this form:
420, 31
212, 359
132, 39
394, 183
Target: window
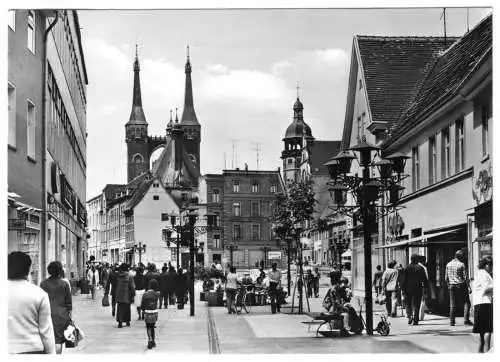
255, 187
360, 84
255, 208
137, 158
30, 130
156, 185
156, 197
459, 147
217, 241
485, 116
255, 232
415, 169
236, 232
12, 19
236, 186
12, 115
31, 31
236, 209
273, 189
432, 160
216, 196
363, 123
289, 161
445, 155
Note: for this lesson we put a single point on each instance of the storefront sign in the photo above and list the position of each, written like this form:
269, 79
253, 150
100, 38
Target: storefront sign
482, 186
274, 255
17, 224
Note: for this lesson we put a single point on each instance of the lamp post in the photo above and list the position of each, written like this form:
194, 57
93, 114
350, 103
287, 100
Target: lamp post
140, 248
366, 191
265, 249
186, 236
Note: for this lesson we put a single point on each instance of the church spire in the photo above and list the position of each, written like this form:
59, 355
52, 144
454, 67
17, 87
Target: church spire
188, 114
137, 115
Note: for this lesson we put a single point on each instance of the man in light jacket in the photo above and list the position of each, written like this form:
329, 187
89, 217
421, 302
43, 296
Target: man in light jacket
389, 284
30, 327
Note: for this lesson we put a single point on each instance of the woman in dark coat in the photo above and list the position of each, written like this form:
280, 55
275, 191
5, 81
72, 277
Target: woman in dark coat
60, 302
180, 288
125, 292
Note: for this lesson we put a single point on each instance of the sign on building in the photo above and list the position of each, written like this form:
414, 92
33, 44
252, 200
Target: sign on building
274, 255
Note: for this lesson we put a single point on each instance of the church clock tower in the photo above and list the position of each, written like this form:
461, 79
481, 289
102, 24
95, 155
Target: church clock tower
136, 131
189, 121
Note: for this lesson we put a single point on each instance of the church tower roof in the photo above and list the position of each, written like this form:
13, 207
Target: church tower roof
188, 114
298, 128
137, 114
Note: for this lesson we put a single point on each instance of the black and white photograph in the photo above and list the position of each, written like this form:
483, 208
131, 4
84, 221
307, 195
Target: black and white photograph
205, 179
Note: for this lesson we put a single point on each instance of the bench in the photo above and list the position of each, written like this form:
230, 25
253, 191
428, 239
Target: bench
335, 321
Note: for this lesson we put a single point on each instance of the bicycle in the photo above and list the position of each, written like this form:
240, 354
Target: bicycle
244, 298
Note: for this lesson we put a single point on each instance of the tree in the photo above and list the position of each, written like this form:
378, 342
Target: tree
291, 212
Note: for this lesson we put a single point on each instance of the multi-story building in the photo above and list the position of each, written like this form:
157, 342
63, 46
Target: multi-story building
243, 199
445, 133
47, 139
384, 73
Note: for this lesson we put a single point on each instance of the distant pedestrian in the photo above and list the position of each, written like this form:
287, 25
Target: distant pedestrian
483, 303
140, 288
29, 319
111, 288
151, 274
93, 279
149, 305
60, 302
274, 287
164, 287
377, 283
180, 288
231, 288
389, 285
458, 286
309, 283
414, 281
316, 277
125, 292
426, 290
105, 275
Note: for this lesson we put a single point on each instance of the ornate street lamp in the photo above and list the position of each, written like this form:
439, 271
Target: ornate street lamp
366, 191
265, 249
140, 248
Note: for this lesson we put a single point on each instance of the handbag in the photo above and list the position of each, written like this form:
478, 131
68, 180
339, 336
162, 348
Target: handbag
73, 335
105, 300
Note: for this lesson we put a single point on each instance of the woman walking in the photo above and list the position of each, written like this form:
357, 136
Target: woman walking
93, 278
60, 302
483, 303
125, 292
149, 306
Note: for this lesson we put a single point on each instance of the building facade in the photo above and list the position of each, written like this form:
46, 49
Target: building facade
47, 139
447, 198
243, 199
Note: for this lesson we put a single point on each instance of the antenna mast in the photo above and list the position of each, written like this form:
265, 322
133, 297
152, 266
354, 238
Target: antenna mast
443, 16
257, 149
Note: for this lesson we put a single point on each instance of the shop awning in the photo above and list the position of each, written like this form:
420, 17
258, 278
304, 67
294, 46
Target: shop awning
347, 253
431, 238
401, 243
484, 238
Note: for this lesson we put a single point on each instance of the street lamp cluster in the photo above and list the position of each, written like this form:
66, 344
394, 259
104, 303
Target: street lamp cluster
366, 191
186, 229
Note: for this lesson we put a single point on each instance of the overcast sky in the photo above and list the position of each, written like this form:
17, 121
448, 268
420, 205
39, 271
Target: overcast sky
246, 66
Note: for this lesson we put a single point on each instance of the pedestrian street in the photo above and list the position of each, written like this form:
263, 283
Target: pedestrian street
214, 331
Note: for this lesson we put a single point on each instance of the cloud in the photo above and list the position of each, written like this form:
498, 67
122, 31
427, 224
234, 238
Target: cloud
217, 68
331, 57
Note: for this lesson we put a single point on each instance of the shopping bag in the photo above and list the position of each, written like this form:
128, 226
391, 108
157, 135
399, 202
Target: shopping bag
105, 300
422, 311
73, 335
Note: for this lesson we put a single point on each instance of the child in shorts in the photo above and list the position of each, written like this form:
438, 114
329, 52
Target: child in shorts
149, 306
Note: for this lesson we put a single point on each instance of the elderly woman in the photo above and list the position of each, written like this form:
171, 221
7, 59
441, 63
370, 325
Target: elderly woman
125, 292
60, 302
483, 303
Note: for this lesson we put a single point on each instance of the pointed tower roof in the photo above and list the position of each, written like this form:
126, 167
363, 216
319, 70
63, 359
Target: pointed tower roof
188, 114
137, 114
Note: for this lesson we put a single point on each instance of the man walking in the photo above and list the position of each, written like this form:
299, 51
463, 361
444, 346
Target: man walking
274, 283
389, 284
413, 282
458, 286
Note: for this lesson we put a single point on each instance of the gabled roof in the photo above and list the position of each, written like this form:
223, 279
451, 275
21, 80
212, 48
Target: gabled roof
321, 152
164, 167
392, 68
139, 193
446, 76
